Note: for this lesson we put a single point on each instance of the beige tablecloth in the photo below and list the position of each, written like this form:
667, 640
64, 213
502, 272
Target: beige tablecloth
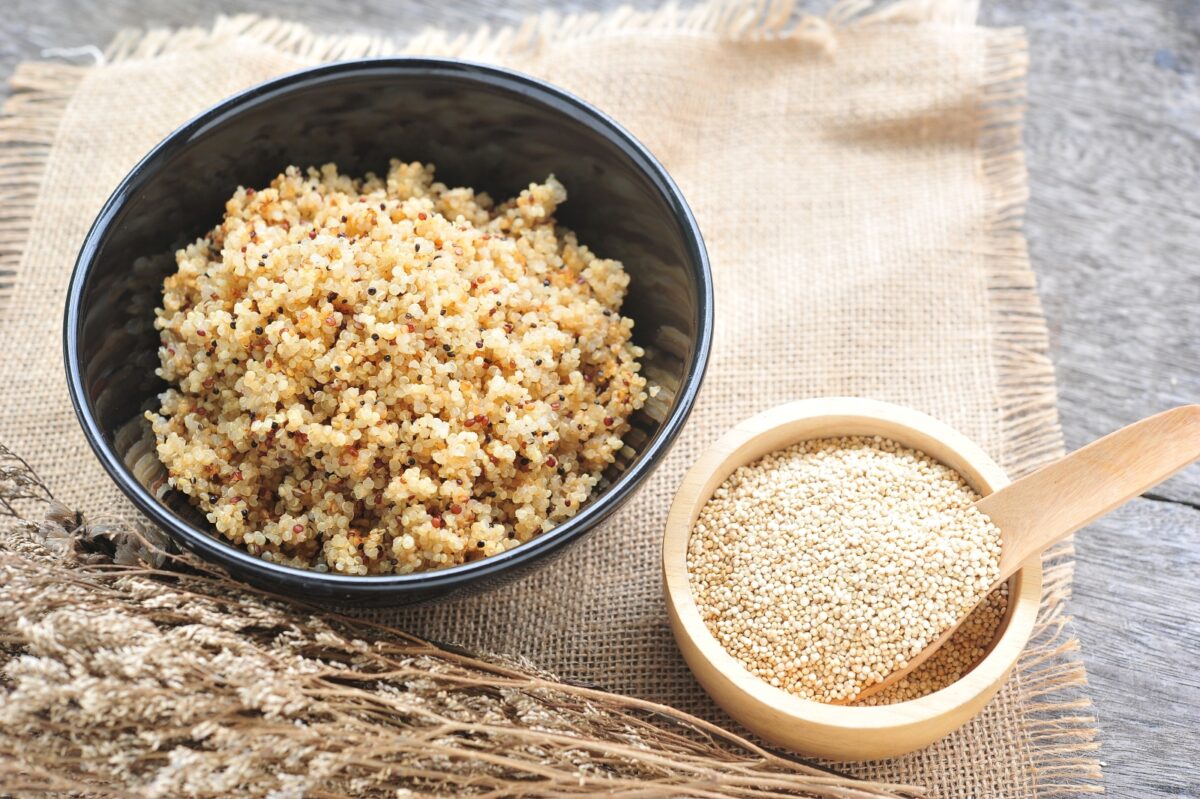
860, 184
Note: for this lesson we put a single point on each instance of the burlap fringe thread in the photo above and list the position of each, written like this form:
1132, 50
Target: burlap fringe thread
40, 92
1050, 675
1062, 729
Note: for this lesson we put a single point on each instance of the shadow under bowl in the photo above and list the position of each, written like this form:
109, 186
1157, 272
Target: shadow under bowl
487, 128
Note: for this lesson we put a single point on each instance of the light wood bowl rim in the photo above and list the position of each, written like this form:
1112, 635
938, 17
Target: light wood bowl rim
689, 627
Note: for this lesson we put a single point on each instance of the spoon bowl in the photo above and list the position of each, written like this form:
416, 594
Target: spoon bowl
814, 728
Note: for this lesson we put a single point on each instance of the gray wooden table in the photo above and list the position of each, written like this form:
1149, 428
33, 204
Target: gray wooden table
1113, 140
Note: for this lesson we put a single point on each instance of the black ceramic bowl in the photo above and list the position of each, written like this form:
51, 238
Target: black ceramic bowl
482, 127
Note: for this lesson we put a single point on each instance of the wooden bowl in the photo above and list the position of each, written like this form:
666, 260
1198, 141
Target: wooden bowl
814, 728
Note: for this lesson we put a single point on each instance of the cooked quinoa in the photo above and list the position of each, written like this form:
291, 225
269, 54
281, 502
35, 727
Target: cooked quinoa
826, 566
388, 375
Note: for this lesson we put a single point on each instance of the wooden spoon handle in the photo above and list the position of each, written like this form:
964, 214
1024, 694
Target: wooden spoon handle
1045, 507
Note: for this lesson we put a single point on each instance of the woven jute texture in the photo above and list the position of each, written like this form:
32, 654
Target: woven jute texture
859, 183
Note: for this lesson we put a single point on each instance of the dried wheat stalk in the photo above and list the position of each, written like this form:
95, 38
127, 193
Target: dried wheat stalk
128, 670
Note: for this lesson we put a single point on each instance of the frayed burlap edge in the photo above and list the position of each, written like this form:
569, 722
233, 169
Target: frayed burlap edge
731, 19
40, 93
1050, 675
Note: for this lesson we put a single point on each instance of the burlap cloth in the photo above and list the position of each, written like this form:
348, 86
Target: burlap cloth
859, 182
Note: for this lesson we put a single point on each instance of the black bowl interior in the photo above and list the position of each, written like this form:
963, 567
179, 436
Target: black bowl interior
485, 128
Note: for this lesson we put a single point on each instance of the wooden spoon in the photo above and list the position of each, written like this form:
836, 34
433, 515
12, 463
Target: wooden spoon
1045, 507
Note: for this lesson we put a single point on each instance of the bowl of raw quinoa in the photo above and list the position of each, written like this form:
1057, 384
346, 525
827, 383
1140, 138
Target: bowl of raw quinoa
815, 548
389, 330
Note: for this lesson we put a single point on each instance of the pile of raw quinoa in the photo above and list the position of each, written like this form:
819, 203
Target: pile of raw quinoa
388, 375
828, 565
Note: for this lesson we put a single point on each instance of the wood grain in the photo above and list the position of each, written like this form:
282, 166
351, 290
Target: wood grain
1136, 620
1113, 147
1045, 507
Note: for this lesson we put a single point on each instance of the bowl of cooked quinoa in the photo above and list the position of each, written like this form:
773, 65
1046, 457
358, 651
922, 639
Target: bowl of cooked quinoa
386, 331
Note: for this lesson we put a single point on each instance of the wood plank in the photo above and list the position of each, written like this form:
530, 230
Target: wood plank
1113, 144
1135, 607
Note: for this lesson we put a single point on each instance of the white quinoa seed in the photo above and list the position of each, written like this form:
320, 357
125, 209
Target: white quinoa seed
390, 375
826, 566
954, 658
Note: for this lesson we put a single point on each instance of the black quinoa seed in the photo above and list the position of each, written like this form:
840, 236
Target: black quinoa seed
371, 291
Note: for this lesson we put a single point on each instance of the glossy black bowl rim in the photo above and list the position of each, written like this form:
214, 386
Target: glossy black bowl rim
442, 580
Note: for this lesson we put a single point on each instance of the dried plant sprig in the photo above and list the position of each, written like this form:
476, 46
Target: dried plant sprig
122, 678
18, 482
